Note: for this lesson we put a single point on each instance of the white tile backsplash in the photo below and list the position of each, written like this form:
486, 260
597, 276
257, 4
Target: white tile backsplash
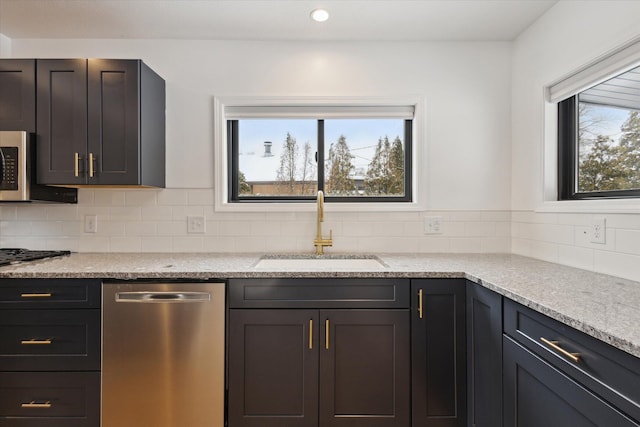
566, 239
156, 221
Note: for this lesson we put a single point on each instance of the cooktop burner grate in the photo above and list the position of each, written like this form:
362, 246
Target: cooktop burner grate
16, 255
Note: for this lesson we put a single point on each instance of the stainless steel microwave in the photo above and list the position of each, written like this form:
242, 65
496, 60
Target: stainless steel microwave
18, 174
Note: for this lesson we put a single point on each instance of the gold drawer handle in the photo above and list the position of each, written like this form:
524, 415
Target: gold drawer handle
575, 357
33, 404
310, 334
37, 342
420, 308
40, 295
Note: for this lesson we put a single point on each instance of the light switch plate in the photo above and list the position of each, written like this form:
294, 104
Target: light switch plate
91, 223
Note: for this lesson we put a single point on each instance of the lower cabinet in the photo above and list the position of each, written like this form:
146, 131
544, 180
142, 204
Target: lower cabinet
438, 353
49, 399
50, 353
538, 395
319, 367
313, 352
484, 357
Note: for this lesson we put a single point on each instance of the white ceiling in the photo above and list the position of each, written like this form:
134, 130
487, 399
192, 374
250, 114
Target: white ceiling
376, 20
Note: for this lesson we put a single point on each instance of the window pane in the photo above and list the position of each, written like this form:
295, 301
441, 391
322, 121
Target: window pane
276, 157
608, 148
364, 157
609, 135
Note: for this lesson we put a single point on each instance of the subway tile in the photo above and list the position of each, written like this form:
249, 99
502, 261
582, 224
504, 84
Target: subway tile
143, 197
30, 213
156, 244
172, 197
188, 244
617, 264
575, 256
124, 214
156, 213
125, 244
627, 241
202, 197
68, 213
108, 198
85, 197
93, 244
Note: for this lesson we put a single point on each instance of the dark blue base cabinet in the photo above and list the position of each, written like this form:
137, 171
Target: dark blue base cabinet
537, 395
50, 353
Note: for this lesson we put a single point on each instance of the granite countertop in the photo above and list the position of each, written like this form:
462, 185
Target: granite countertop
602, 306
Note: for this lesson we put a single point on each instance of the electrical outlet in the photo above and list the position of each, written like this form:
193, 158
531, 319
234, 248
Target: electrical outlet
196, 224
433, 225
91, 223
598, 230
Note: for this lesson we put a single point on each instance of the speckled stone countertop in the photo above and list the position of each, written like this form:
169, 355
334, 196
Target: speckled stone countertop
605, 307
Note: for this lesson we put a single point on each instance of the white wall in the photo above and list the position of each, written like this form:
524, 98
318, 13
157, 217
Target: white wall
569, 36
466, 87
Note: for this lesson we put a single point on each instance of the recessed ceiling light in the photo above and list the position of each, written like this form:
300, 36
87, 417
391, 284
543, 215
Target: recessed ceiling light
319, 15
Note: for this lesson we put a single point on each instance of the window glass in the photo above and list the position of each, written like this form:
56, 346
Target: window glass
364, 157
599, 140
285, 159
276, 157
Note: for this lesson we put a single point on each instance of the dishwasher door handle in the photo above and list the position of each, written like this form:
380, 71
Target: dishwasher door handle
164, 296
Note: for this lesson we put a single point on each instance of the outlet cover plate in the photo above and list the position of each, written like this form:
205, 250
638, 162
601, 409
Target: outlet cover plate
598, 230
196, 224
433, 225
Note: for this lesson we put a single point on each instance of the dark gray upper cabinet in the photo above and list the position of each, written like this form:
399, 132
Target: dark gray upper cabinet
100, 122
438, 355
17, 94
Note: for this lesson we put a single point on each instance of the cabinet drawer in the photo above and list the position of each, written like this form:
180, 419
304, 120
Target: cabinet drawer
49, 293
609, 372
51, 399
319, 293
46, 340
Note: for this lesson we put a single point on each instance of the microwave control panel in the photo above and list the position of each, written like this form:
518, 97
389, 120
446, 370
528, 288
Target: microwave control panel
9, 177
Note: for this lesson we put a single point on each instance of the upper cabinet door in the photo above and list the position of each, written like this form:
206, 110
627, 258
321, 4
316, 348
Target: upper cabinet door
114, 122
61, 120
17, 94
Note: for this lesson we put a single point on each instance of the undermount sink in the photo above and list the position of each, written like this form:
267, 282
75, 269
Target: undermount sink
321, 262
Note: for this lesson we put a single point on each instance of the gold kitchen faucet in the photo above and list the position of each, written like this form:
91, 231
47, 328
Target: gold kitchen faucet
321, 242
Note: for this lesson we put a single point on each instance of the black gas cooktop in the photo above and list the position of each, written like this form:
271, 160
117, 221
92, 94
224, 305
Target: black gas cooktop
16, 255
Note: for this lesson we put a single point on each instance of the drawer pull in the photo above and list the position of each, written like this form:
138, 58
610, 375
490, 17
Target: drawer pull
575, 357
40, 295
310, 334
33, 404
37, 342
420, 303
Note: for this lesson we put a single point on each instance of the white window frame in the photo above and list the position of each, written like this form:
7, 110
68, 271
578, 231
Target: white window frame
603, 68
221, 172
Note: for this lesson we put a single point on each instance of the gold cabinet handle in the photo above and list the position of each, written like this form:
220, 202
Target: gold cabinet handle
37, 295
76, 164
326, 334
575, 357
420, 303
34, 341
33, 404
310, 334
91, 162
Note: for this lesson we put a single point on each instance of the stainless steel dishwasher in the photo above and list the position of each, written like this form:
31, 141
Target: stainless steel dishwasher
163, 354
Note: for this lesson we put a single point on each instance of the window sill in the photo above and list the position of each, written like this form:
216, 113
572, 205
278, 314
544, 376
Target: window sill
311, 206
608, 206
